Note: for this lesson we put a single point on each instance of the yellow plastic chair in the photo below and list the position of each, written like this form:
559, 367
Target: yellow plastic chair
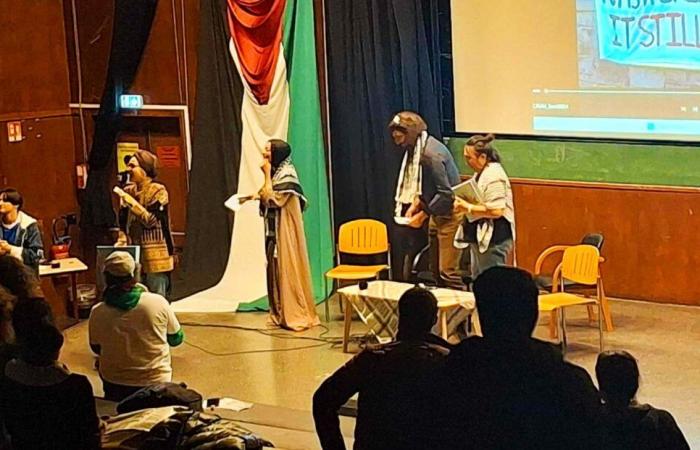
550, 282
580, 264
363, 237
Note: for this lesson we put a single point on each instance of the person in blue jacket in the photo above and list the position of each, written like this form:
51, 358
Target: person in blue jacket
20, 236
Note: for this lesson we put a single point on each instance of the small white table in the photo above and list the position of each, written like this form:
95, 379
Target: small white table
68, 267
378, 307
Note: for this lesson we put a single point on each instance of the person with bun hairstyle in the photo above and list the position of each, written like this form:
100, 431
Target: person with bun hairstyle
489, 228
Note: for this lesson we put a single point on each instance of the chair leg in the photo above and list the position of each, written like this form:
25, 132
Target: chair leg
564, 342
553, 324
591, 314
348, 323
607, 316
600, 327
340, 302
327, 300
443, 323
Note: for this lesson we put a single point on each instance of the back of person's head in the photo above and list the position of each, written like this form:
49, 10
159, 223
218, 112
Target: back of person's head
13, 196
29, 314
42, 346
148, 161
483, 145
408, 121
417, 313
119, 268
18, 278
506, 299
618, 377
7, 301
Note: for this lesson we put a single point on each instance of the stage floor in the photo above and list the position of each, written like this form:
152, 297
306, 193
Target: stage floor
259, 368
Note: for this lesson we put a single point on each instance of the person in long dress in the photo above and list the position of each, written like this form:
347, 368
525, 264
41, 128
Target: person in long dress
282, 201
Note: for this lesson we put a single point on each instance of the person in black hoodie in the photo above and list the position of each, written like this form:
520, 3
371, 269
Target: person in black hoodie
626, 423
508, 390
43, 404
395, 406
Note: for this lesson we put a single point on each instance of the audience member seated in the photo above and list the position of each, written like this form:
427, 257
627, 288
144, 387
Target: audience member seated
18, 278
627, 424
509, 390
8, 348
395, 399
19, 232
44, 405
19, 318
131, 331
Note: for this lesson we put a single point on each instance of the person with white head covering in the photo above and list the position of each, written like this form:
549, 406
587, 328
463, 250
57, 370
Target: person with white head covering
131, 331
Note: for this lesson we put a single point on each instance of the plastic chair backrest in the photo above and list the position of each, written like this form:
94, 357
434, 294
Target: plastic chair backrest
363, 237
580, 264
594, 239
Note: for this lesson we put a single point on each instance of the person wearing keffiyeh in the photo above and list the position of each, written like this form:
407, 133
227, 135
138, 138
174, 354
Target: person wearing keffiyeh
424, 190
282, 201
489, 228
144, 220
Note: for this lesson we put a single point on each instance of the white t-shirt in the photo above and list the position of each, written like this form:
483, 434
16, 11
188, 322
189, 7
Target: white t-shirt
134, 344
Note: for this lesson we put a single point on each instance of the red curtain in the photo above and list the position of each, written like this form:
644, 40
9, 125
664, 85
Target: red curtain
256, 29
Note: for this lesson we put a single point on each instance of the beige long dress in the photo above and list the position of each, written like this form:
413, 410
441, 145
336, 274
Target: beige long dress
290, 294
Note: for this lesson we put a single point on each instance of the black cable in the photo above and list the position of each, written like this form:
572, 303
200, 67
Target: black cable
333, 341
270, 332
244, 352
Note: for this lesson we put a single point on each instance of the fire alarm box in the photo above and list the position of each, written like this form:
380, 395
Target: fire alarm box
81, 175
14, 131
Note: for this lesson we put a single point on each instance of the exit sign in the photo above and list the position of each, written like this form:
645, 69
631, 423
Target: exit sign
131, 101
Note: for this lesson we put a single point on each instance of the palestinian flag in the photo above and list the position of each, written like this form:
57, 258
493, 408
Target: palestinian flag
257, 81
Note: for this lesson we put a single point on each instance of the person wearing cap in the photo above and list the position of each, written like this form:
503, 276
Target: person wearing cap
144, 220
424, 191
20, 236
131, 331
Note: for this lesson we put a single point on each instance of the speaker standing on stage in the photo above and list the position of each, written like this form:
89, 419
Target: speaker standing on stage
288, 274
490, 227
144, 220
425, 182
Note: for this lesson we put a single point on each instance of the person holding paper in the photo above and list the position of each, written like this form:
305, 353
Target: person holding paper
144, 220
424, 189
489, 228
282, 201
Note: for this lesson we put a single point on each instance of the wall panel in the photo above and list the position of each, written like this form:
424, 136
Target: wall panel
651, 240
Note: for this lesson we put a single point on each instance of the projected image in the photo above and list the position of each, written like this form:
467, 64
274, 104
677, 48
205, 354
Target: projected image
639, 44
612, 69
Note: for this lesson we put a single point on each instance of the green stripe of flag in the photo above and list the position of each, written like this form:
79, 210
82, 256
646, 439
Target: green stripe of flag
306, 138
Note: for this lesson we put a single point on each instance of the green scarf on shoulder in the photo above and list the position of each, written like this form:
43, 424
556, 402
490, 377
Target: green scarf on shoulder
124, 300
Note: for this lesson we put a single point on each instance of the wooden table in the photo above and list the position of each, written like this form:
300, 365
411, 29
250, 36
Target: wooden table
69, 267
378, 307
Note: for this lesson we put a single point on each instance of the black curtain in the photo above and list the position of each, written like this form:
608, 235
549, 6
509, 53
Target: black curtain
383, 57
130, 31
216, 156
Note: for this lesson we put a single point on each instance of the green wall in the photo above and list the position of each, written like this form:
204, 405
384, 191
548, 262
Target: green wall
590, 161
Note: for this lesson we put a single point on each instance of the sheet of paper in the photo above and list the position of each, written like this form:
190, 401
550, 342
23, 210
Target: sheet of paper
233, 404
